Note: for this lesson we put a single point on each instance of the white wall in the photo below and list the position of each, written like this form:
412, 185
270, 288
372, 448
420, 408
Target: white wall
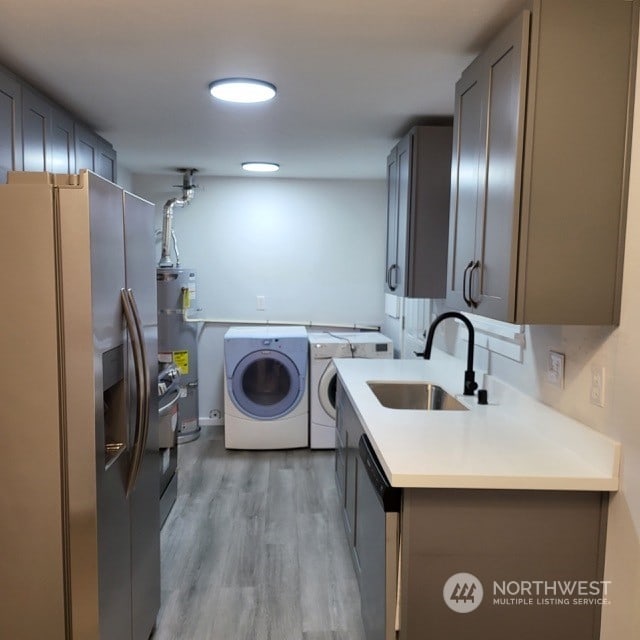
125, 178
315, 249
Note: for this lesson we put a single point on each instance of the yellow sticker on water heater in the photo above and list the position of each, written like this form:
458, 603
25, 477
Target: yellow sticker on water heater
181, 360
186, 298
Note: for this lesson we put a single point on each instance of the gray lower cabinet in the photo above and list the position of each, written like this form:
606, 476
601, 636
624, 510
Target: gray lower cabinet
483, 563
10, 125
348, 432
540, 166
418, 176
502, 564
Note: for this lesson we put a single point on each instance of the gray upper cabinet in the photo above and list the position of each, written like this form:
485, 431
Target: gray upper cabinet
540, 167
392, 284
47, 135
94, 153
418, 172
10, 125
63, 154
467, 153
36, 131
86, 146
38, 135
106, 160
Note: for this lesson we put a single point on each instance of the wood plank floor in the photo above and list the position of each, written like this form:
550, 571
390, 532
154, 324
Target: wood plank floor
254, 548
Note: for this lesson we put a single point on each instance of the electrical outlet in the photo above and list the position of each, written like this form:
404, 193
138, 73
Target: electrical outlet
555, 369
597, 385
261, 303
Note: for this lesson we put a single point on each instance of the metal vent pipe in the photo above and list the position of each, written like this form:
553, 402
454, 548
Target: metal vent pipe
188, 189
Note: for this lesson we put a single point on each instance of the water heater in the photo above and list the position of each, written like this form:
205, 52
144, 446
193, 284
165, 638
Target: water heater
177, 341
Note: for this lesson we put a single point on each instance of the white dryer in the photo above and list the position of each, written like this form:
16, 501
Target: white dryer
323, 347
266, 391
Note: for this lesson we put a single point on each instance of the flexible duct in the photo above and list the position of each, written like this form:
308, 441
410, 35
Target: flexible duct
188, 189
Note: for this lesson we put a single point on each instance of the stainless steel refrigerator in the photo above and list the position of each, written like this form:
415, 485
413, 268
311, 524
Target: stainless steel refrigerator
79, 504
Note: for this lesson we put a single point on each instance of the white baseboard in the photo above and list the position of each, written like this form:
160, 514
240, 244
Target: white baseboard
210, 422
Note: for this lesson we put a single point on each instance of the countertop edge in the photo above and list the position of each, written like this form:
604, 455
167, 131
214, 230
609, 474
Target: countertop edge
516, 483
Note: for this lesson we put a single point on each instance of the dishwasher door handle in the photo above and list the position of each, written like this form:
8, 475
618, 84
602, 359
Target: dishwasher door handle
389, 497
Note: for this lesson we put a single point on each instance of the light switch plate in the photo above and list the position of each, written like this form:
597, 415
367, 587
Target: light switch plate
597, 385
555, 369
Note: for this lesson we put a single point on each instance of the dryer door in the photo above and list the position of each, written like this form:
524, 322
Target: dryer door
266, 385
327, 390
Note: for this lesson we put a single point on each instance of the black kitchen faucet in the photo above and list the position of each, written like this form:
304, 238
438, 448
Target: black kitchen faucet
470, 384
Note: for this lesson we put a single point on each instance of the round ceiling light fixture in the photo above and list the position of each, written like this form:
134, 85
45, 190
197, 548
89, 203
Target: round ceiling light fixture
245, 90
260, 167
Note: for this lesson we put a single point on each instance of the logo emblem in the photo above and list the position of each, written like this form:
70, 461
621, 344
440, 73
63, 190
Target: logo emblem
462, 592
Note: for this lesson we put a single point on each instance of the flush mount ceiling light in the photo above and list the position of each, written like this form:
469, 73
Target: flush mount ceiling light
242, 90
260, 167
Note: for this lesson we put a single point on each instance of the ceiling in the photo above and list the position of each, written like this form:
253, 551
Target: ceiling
351, 76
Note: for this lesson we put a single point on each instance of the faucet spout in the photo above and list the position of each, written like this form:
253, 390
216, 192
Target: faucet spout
470, 384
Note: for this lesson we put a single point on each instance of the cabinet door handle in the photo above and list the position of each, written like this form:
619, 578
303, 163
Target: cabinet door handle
393, 269
472, 302
464, 284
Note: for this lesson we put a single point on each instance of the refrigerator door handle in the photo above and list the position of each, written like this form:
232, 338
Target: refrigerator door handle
141, 445
141, 379
143, 383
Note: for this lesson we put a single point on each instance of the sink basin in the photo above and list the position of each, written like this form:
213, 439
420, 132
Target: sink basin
415, 395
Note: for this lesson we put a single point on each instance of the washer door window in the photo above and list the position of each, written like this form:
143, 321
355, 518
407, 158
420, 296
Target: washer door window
266, 385
327, 390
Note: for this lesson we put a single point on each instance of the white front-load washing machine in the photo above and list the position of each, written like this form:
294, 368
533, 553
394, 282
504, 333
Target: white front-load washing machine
323, 347
265, 387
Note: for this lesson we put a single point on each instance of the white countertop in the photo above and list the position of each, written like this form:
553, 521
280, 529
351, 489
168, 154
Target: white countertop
514, 442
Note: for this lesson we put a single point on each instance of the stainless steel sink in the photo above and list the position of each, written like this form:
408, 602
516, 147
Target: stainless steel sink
415, 395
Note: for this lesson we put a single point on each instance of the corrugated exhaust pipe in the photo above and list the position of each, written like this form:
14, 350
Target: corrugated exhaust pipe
168, 235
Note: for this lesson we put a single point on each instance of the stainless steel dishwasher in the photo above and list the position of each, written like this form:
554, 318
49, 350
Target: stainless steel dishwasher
377, 543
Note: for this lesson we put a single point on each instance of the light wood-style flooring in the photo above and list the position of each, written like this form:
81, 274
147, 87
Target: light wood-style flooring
254, 548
